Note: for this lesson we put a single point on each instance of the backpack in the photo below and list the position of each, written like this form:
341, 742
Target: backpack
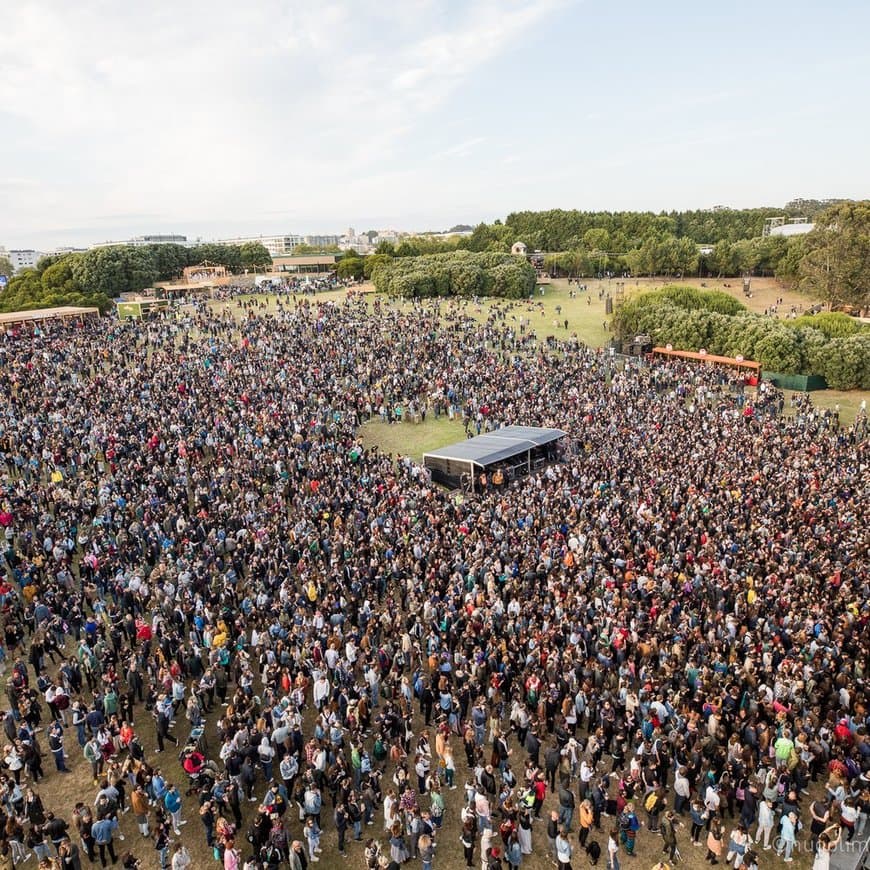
271, 855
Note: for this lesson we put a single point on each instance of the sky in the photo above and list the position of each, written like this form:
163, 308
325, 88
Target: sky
224, 118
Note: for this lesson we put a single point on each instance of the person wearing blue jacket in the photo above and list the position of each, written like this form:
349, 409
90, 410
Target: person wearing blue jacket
172, 802
103, 831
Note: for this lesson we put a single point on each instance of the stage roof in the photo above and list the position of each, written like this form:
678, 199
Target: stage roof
498, 445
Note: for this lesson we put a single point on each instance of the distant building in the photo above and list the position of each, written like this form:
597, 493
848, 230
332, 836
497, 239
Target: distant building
66, 249
360, 244
519, 249
24, 259
783, 226
141, 241
138, 241
277, 246
322, 241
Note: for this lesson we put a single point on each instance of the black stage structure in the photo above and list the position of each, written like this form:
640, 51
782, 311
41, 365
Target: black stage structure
514, 450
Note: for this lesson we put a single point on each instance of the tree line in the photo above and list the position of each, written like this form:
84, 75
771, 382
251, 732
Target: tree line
94, 277
830, 262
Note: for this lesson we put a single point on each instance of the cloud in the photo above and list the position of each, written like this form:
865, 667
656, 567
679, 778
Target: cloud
462, 149
212, 107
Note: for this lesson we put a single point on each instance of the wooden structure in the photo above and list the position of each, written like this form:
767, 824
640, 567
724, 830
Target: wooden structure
752, 368
205, 272
37, 315
702, 356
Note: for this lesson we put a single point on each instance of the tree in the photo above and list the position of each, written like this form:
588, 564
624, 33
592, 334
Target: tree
303, 250
836, 262
788, 267
6, 266
374, 261
254, 256
407, 249
350, 266
58, 277
229, 256
457, 273
33, 288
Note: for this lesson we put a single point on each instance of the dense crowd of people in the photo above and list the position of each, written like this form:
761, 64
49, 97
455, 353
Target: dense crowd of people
662, 639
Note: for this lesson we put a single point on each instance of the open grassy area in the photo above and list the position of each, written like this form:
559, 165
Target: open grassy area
411, 439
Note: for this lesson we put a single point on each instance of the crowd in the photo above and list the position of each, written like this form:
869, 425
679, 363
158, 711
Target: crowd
660, 641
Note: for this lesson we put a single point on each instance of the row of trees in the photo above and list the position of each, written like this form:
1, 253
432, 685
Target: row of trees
829, 262
670, 255
833, 345
562, 230
94, 277
460, 273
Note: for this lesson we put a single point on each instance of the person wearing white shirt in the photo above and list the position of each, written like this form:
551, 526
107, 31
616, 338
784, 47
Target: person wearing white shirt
765, 823
321, 691
586, 774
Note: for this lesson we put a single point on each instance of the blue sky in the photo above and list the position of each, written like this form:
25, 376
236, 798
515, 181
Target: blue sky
215, 118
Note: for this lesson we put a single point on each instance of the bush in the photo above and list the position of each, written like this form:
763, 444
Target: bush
846, 363
458, 273
691, 299
832, 345
832, 324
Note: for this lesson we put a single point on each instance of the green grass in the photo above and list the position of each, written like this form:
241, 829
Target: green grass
411, 439
849, 402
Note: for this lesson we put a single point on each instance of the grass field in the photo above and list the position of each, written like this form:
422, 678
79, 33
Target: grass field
411, 439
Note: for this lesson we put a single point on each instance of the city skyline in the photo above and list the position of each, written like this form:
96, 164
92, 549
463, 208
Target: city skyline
281, 117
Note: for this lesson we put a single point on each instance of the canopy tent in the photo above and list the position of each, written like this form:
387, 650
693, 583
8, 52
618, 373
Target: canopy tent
513, 446
142, 307
736, 361
64, 312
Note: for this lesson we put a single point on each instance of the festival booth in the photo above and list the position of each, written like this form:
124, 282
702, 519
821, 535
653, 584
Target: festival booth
752, 370
14, 320
304, 265
512, 451
140, 308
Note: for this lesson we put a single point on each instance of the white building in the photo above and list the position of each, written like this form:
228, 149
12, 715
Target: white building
24, 259
277, 246
167, 239
795, 229
783, 226
322, 241
141, 241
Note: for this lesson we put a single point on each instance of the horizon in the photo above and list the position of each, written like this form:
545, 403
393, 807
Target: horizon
282, 117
